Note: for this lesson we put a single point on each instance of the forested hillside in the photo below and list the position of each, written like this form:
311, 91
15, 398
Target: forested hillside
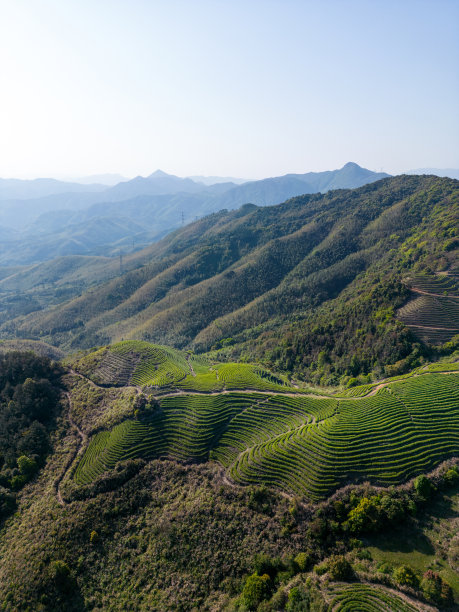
29, 406
295, 285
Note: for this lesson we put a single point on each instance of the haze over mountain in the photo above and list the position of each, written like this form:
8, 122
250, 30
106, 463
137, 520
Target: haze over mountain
143, 209
109, 179
214, 180
18, 189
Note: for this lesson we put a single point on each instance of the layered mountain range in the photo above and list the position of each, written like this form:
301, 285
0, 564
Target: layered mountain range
45, 218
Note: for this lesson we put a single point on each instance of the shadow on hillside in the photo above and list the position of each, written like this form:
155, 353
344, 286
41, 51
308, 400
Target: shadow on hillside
410, 537
404, 541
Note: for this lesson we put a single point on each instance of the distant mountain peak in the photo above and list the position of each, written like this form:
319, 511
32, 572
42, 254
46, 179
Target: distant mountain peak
159, 174
351, 165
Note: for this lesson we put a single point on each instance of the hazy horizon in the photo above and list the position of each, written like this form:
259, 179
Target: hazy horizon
248, 90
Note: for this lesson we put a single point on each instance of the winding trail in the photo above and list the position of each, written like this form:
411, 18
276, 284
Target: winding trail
83, 439
181, 392
442, 295
190, 365
435, 328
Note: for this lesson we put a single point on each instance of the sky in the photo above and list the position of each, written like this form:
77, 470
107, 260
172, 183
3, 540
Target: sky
250, 88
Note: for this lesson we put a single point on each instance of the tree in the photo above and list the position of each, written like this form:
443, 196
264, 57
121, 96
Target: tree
405, 575
365, 516
436, 589
7, 503
256, 589
302, 560
27, 466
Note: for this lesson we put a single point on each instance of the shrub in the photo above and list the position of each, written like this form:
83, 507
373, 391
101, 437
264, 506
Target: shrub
302, 560
392, 508
321, 569
18, 481
27, 466
264, 564
259, 499
94, 536
366, 516
298, 599
423, 487
406, 576
339, 568
61, 576
318, 528
435, 589
384, 568
452, 476
7, 503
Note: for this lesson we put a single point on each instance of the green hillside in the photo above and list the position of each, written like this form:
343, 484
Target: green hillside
433, 312
170, 481
292, 285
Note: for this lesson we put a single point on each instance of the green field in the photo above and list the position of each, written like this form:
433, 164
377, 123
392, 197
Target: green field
301, 444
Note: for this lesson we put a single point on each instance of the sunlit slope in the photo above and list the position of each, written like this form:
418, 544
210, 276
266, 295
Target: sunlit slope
299, 443
163, 369
265, 277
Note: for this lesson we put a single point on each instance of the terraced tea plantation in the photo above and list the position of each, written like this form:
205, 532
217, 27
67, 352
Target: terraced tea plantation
368, 598
160, 367
433, 313
299, 443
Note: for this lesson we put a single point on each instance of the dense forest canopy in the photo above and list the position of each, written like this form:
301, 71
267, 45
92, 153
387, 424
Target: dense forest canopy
29, 401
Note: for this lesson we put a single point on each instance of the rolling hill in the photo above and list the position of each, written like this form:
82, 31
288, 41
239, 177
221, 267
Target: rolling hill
260, 428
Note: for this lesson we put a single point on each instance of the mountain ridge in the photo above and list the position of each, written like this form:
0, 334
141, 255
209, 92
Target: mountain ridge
234, 280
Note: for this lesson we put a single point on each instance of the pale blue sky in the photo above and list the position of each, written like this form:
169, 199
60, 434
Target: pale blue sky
248, 88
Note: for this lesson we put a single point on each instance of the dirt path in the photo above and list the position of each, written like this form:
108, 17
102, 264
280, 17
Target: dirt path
96, 386
435, 328
375, 390
442, 295
193, 373
82, 443
180, 392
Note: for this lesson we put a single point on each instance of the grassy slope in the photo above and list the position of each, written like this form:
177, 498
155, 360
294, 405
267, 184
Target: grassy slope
170, 538
167, 540
430, 543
